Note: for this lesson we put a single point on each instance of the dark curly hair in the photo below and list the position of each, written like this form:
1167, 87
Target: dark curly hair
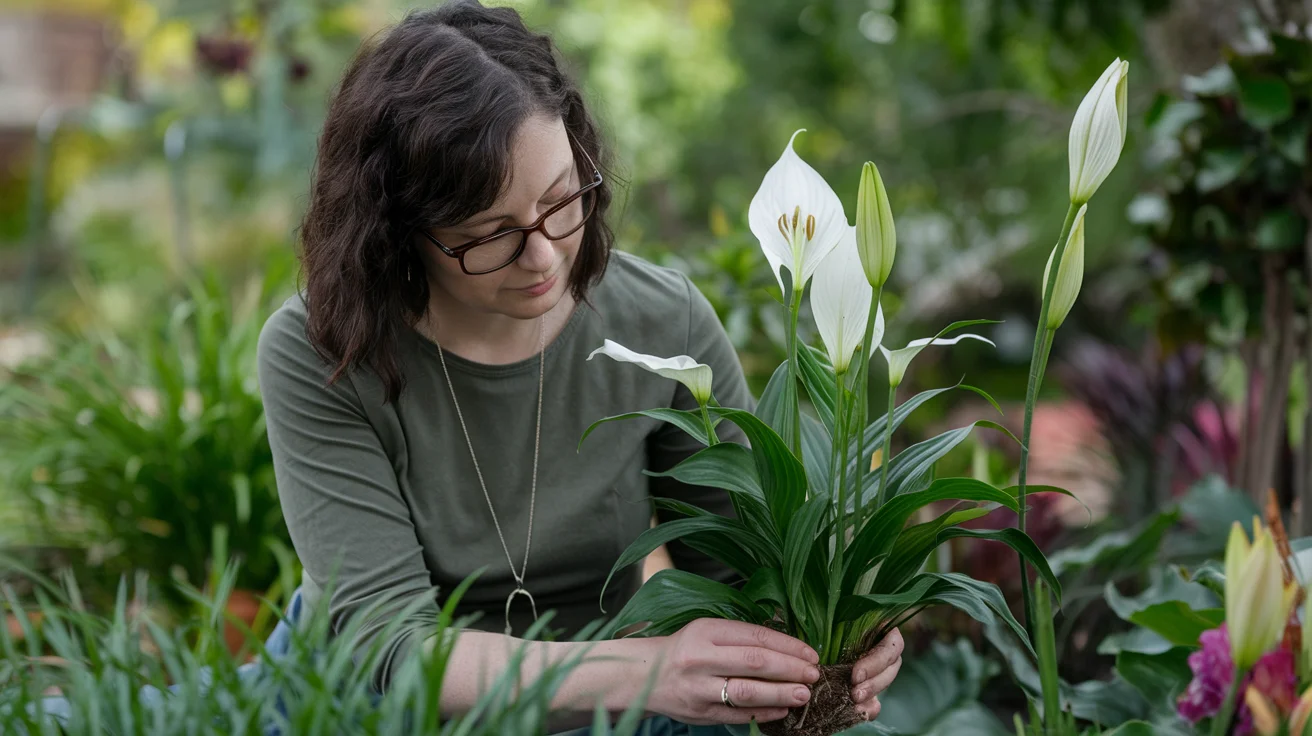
419, 134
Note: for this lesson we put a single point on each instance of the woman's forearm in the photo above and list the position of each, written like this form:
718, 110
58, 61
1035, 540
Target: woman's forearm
614, 673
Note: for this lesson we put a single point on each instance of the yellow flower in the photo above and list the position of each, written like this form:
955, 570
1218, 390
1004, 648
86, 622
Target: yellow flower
1298, 720
1265, 720
1257, 600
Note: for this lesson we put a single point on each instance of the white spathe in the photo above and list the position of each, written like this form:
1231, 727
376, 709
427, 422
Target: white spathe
696, 376
840, 303
899, 359
1098, 131
796, 216
1070, 275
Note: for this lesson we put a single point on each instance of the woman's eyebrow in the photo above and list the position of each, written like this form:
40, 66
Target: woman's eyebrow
493, 218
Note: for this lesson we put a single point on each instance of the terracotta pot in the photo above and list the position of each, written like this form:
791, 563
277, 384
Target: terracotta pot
244, 606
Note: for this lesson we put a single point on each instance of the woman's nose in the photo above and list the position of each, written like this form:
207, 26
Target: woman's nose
539, 255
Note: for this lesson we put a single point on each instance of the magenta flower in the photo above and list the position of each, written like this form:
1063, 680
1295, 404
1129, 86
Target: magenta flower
1213, 669
1213, 672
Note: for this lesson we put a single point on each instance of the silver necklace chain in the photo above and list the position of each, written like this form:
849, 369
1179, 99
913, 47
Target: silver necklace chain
533, 492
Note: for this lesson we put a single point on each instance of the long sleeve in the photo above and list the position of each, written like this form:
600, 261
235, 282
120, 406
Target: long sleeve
348, 521
708, 343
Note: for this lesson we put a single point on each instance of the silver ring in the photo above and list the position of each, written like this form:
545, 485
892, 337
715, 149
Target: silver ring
724, 694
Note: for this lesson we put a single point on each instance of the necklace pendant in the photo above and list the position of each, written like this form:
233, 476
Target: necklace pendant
519, 590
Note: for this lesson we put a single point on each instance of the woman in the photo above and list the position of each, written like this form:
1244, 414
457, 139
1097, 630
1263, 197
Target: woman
426, 394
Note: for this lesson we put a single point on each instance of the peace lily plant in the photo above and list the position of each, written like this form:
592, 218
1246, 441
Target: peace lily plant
823, 544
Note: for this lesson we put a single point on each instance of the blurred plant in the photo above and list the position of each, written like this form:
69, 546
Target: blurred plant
127, 673
1156, 413
1231, 235
133, 446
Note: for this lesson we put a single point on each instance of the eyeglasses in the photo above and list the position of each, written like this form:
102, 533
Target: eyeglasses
500, 249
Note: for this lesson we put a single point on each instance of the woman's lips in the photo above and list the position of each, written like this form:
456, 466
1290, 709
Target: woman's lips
540, 288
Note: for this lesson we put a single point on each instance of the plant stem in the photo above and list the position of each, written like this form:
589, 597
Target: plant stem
1047, 651
1038, 362
793, 374
711, 439
863, 403
840, 523
888, 446
1221, 723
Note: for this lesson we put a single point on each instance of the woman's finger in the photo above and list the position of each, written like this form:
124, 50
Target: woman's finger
877, 684
745, 692
761, 664
739, 634
722, 714
870, 710
879, 658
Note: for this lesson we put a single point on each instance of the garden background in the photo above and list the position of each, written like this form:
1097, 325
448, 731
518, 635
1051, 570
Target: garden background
154, 159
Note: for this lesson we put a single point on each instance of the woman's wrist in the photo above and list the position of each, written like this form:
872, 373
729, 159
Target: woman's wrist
621, 672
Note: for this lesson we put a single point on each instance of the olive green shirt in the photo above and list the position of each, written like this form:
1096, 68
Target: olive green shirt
382, 498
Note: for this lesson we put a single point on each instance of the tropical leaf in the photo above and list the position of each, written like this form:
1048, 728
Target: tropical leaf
1160, 678
816, 445
730, 466
767, 586
1172, 607
673, 598
801, 538
1112, 552
783, 478
707, 525
777, 404
1017, 540
689, 421
917, 461
981, 601
876, 538
818, 378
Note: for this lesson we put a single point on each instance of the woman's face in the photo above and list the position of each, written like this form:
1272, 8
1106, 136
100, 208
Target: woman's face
542, 174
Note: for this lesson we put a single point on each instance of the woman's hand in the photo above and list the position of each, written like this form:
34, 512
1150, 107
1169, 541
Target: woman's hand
873, 673
768, 673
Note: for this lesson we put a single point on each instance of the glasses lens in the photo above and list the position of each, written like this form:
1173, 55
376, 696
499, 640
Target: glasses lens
568, 218
493, 254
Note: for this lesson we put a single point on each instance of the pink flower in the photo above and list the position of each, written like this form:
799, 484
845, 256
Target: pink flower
1214, 671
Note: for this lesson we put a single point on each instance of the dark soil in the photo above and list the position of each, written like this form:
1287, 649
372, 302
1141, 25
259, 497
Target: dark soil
830, 711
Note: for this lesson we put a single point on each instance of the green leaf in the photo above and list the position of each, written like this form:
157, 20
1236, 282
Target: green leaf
1159, 677
1279, 229
979, 600
1174, 117
673, 598
1017, 540
783, 478
873, 437
815, 455
876, 538
727, 530
730, 466
767, 585
726, 465
913, 547
1138, 639
913, 464
1134, 728
801, 538
1220, 167
938, 691
1098, 701
689, 421
1177, 610
1265, 101
778, 402
818, 377
1113, 552
1291, 139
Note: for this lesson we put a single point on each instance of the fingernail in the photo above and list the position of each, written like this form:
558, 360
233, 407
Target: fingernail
860, 694
859, 675
812, 674
801, 695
